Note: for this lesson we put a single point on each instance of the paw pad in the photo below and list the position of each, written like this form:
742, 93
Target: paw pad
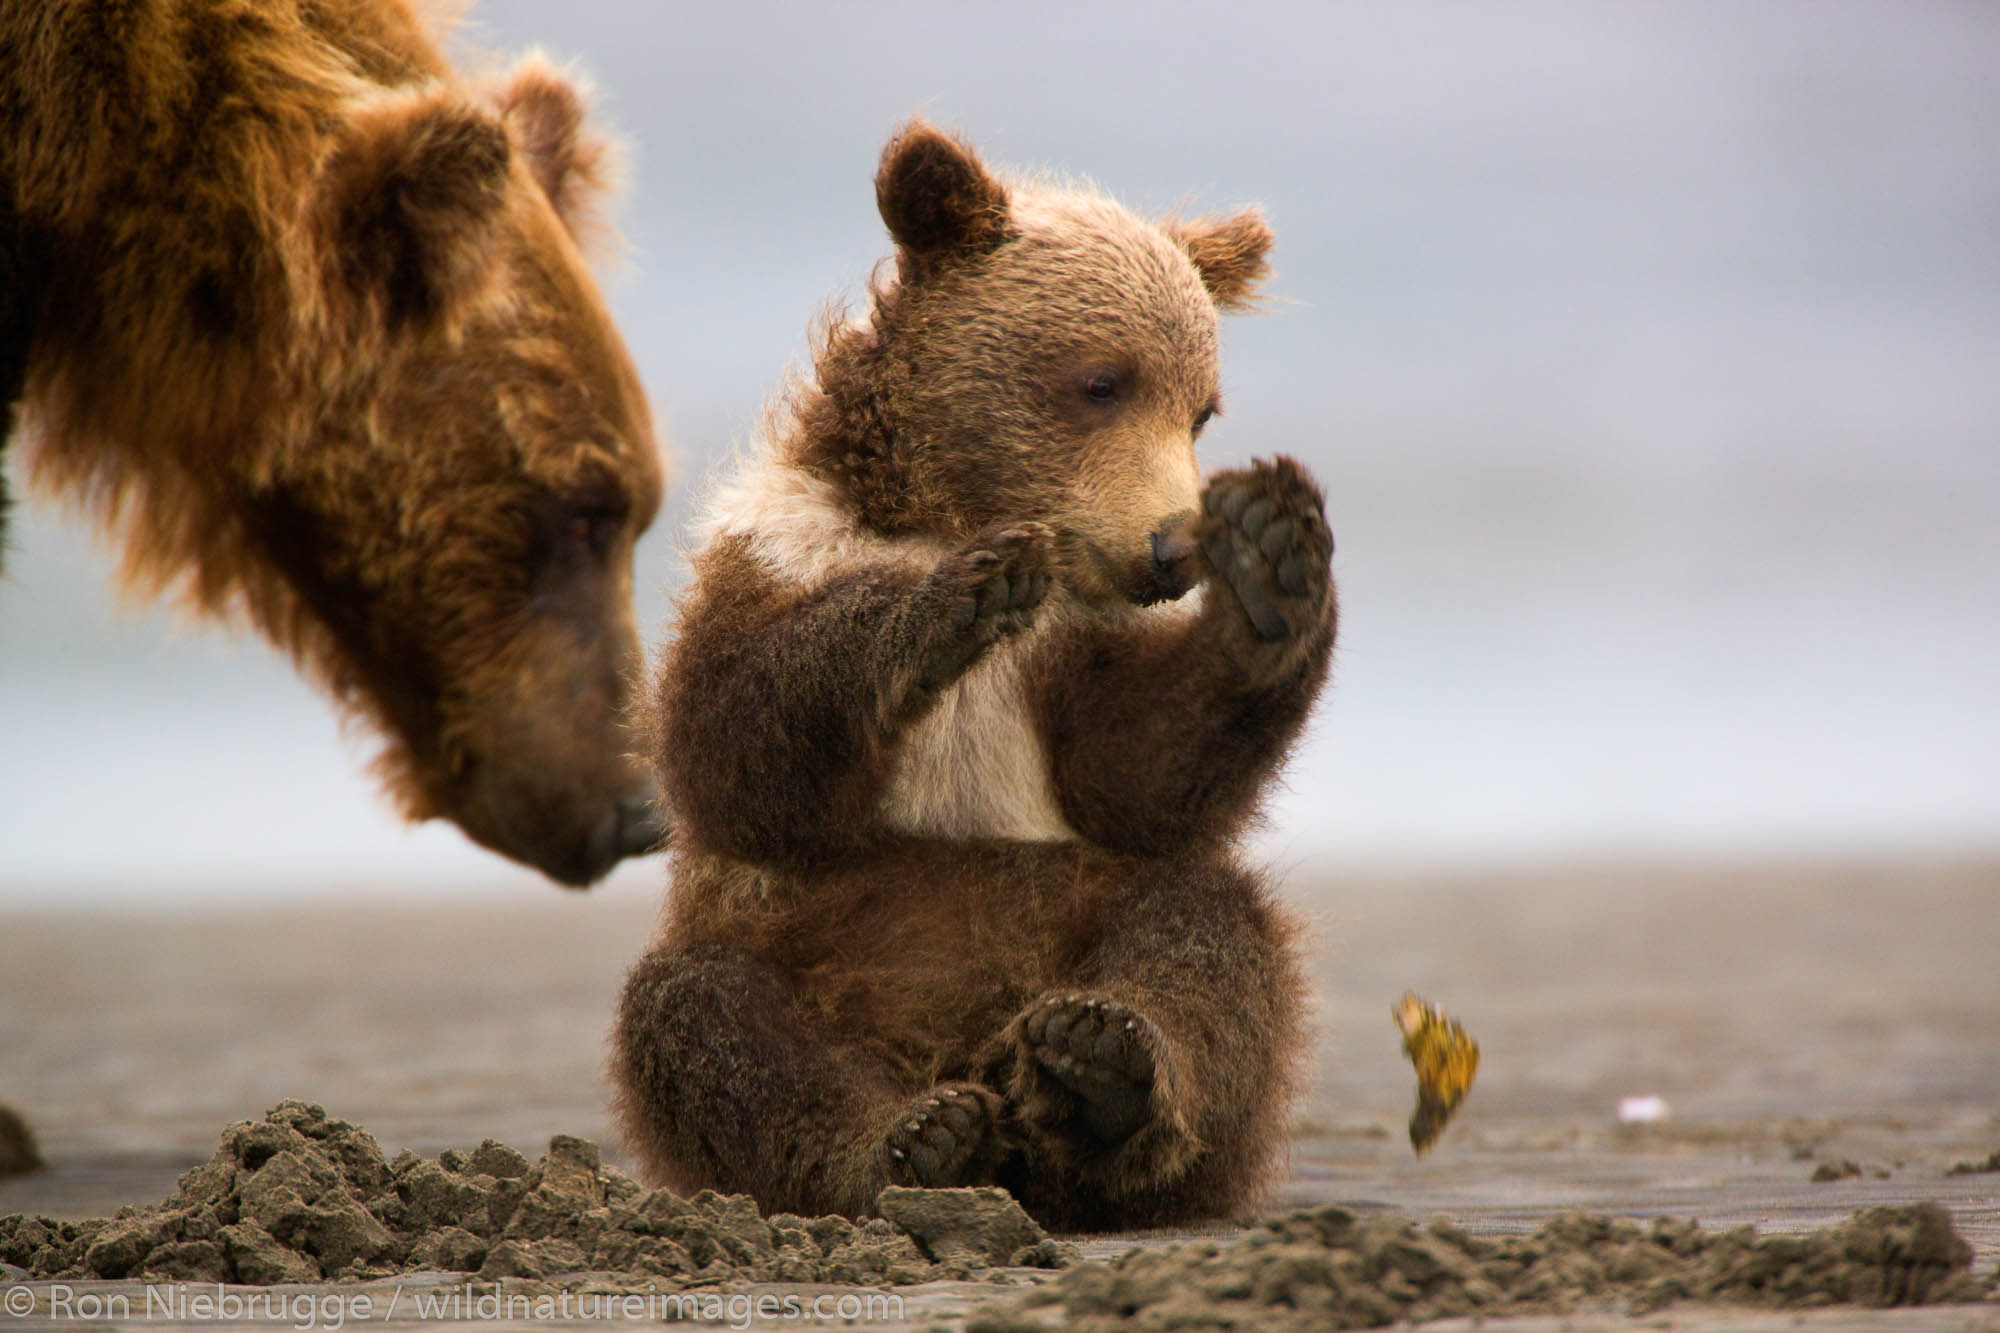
1106, 1053
944, 1137
992, 589
1265, 535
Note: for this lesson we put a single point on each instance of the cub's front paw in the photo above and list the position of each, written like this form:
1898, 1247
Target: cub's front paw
987, 591
1263, 530
948, 1136
1106, 1054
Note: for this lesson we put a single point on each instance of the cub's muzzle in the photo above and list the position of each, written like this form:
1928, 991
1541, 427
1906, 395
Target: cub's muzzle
1174, 567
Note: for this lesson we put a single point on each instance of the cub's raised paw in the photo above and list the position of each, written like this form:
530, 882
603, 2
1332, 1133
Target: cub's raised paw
1263, 530
948, 1136
988, 590
1107, 1054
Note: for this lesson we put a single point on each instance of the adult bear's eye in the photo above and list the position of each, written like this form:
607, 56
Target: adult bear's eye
594, 527
1204, 417
1101, 386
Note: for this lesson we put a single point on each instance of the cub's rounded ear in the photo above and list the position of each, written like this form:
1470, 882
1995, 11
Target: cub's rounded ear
544, 110
408, 201
936, 197
1228, 252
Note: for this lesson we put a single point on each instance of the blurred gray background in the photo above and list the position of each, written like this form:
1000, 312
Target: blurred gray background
1649, 354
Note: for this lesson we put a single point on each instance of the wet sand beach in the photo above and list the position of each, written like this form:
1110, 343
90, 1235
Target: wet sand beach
1791, 1017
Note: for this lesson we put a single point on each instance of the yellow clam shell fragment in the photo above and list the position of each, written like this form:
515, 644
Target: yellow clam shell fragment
1446, 1059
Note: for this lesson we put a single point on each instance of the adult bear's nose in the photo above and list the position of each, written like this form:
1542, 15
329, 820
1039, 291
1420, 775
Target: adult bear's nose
631, 827
640, 827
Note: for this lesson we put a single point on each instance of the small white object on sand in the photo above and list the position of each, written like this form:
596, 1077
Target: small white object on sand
1641, 1110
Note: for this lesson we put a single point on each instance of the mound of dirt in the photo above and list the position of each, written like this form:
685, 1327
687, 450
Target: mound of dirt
1991, 1162
300, 1197
18, 1153
1327, 1269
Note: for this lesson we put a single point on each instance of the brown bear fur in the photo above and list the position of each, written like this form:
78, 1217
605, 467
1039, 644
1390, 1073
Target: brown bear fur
957, 763
300, 315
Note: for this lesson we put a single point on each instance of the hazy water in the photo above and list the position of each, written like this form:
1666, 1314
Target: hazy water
1650, 355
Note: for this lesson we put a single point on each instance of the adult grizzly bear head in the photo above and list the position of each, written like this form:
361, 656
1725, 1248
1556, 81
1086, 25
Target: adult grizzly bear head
465, 532
313, 337
1042, 353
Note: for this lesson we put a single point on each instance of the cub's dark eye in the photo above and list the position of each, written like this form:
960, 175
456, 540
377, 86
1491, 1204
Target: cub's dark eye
1101, 386
1205, 416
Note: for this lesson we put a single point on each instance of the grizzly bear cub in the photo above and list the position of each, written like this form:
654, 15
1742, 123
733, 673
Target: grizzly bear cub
974, 693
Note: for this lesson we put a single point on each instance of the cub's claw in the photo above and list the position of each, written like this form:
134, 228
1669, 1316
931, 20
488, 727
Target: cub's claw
945, 1137
992, 589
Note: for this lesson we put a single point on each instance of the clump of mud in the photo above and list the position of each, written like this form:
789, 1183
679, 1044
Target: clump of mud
18, 1153
300, 1197
1327, 1268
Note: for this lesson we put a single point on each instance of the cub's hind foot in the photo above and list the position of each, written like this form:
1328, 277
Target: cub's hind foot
1108, 1056
948, 1136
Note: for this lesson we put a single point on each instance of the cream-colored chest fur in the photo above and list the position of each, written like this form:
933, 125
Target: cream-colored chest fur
975, 766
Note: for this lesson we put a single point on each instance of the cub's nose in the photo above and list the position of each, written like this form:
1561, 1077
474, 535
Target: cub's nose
1173, 559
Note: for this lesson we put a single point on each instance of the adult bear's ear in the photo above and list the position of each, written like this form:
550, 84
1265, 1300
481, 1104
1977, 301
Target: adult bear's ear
408, 203
1228, 253
544, 110
936, 198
